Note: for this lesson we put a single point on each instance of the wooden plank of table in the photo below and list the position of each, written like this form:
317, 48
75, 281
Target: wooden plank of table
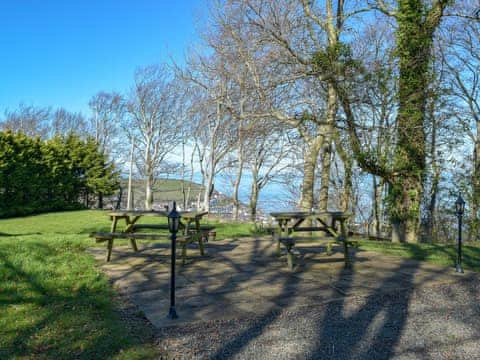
193, 214
138, 213
161, 213
122, 235
289, 214
301, 214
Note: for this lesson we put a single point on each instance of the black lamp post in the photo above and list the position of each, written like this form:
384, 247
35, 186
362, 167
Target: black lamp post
173, 225
459, 209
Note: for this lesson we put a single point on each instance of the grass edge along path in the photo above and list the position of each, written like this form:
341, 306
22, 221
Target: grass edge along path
439, 254
55, 303
54, 300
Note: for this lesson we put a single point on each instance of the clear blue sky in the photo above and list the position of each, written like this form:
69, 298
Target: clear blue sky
61, 52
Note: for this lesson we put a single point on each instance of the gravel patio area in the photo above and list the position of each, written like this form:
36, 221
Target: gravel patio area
242, 302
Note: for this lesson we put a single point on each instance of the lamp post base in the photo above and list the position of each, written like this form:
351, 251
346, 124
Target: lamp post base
459, 269
172, 314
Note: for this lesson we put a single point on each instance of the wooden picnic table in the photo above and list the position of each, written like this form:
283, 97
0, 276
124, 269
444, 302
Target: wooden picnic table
187, 218
190, 228
332, 223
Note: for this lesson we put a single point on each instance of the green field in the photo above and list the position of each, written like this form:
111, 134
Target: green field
165, 189
54, 301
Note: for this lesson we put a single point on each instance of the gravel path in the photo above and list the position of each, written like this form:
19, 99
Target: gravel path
438, 322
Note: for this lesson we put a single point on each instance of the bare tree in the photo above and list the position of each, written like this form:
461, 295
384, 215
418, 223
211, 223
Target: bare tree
65, 122
267, 149
31, 120
461, 41
212, 122
107, 112
153, 123
274, 49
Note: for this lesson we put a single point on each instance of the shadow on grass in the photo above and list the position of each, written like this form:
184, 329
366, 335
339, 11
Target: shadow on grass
21, 234
438, 253
46, 315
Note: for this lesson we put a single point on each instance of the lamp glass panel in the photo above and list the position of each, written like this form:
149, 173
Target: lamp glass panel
176, 222
460, 206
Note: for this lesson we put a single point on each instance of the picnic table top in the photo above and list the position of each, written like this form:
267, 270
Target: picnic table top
160, 213
305, 214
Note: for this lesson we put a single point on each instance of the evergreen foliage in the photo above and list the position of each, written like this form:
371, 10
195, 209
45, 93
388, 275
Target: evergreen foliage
59, 174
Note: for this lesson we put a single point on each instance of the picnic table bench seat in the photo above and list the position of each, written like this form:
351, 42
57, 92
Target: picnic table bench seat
290, 242
332, 223
190, 229
109, 237
313, 228
205, 230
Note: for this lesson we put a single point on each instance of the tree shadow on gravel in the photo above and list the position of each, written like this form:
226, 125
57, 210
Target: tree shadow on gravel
236, 338
372, 330
258, 325
351, 327
290, 289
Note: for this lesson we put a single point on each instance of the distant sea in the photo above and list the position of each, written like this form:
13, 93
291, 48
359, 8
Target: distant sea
273, 197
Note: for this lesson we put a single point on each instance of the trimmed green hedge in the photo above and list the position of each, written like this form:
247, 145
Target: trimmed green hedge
58, 174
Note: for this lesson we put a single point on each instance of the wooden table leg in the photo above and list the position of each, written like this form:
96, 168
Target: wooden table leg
200, 237
133, 244
129, 225
276, 237
114, 224
282, 232
109, 249
290, 260
329, 248
110, 241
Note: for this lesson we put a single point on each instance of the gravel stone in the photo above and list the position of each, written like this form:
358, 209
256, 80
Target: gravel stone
436, 322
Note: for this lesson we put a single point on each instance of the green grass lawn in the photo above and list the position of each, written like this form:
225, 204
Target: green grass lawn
435, 253
54, 301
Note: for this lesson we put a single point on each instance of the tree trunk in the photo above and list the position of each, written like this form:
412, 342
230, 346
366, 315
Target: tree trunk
149, 191
377, 202
309, 167
432, 204
326, 159
406, 216
119, 200
207, 192
475, 203
184, 191
100, 200
347, 195
253, 200
189, 188
414, 46
326, 155
149, 177
238, 178
347, 160
236, 186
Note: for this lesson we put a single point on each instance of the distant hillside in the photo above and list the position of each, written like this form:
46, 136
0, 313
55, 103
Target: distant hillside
165, 192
